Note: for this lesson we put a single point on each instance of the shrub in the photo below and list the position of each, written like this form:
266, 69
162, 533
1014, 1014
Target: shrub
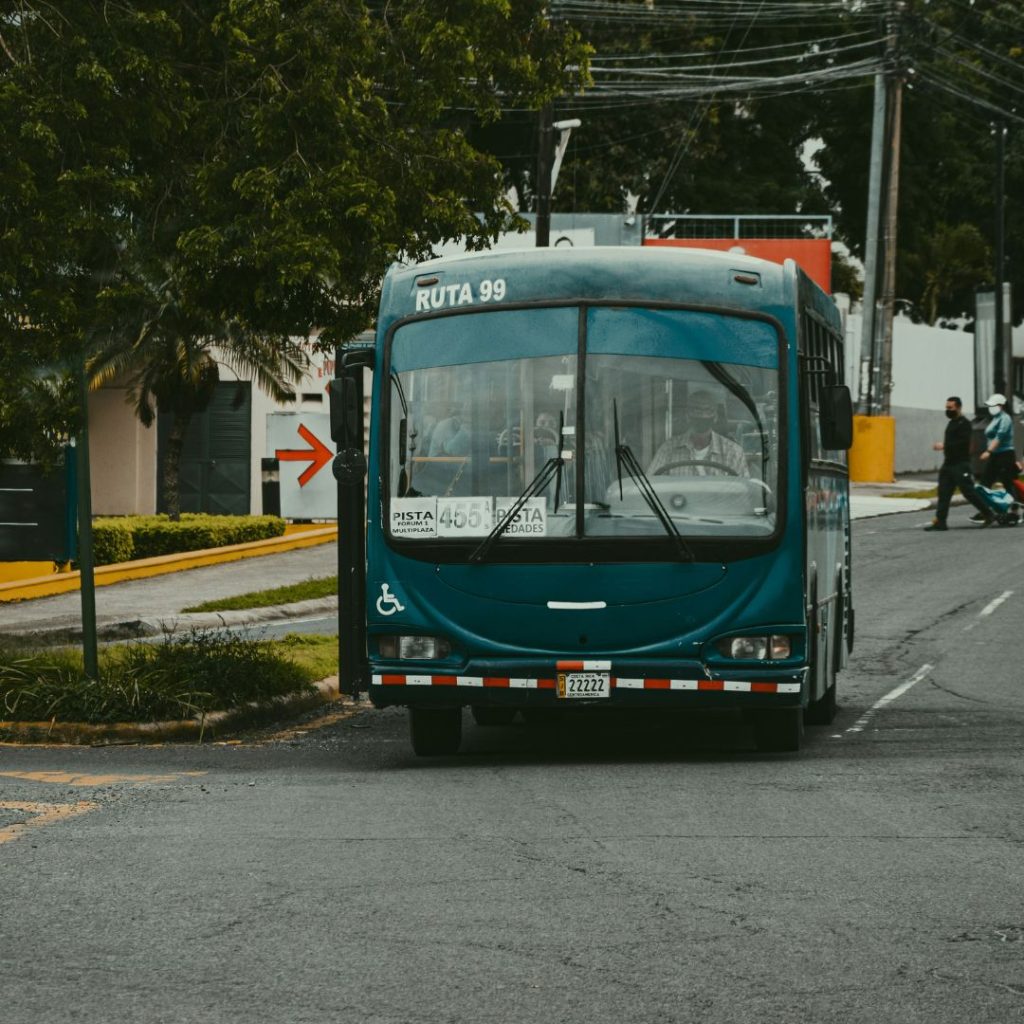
177, 679
149, 536
111, 541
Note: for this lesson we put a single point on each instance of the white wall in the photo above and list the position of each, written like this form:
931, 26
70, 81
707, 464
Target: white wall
928, 365
122, 456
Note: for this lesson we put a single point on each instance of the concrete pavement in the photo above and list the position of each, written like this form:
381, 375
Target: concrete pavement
139, 607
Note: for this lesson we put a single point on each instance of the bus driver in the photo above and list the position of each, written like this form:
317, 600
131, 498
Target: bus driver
684, 454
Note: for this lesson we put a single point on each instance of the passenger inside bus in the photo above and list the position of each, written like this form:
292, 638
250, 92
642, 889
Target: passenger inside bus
700, 450
545, 439
451, 436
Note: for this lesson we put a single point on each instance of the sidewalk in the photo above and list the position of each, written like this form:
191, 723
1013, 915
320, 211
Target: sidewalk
145, 607
868, 500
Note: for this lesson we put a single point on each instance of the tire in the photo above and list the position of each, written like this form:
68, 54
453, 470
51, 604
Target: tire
779, 732
435, 732
823, 710
485, 716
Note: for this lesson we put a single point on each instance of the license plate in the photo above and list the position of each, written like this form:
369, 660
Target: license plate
584, 685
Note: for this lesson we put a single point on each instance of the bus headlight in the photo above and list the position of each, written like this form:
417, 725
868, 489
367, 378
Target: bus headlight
756, 648
414, 648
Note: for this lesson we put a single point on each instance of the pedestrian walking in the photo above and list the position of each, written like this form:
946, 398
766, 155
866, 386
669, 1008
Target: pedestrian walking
998, 456
1000, 462
955, 471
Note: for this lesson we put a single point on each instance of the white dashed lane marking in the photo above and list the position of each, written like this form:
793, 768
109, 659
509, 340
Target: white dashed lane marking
990, 608
882, 702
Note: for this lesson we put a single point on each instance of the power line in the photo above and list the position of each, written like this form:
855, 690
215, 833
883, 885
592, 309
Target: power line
687, 136
599, 58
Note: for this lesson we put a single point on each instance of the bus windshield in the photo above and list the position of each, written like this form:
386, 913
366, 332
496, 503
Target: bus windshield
679, 410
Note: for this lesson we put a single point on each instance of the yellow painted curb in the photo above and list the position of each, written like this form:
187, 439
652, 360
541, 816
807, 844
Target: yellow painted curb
44, 586
198, 728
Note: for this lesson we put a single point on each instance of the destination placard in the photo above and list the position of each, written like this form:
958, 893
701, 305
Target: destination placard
413, 517
530, 521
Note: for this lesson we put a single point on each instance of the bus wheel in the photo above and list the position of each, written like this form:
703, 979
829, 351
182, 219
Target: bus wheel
435, 731
493, 716
823, 710
779, 731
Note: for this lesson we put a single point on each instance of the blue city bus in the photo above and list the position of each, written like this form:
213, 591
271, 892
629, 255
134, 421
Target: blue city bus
597, 478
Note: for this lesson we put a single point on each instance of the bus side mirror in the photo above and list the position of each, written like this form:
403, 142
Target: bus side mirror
345, 411
836, 414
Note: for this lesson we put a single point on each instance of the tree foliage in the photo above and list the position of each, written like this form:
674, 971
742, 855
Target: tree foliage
711, 149
275, 156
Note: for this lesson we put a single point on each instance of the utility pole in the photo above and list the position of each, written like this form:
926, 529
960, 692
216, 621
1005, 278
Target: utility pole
87, 580
895, 112
869, 333
1003, 376
545, 155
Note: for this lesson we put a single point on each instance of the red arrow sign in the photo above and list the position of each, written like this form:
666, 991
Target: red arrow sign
317, 456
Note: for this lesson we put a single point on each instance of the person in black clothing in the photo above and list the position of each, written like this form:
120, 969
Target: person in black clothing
956, 466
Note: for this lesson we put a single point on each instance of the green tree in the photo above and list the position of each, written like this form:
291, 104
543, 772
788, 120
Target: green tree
952, 260
661, 117
280, 155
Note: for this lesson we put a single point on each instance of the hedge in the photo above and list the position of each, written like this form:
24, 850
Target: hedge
111, 541
127, 538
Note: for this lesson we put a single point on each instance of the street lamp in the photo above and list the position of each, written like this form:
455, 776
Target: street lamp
547, 170
564, 128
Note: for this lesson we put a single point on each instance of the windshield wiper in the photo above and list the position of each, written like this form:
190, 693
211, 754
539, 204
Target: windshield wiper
722, 375
624, 457
551, 468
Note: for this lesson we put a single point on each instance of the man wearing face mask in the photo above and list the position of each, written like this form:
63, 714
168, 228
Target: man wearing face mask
956, 467
684, 454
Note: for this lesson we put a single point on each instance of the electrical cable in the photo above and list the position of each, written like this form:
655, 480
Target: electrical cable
687, 138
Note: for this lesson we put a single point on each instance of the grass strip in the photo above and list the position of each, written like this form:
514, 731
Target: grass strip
932, 492
326, 586
176, 679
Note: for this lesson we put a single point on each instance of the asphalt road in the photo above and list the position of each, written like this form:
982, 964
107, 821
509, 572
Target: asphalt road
658, 872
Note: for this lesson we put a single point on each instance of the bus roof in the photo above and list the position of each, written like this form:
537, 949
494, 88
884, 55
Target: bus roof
687, 276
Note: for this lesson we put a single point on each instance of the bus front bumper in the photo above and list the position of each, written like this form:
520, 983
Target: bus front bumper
642, 685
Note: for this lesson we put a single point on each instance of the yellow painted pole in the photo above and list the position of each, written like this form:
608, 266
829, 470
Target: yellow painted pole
873, 455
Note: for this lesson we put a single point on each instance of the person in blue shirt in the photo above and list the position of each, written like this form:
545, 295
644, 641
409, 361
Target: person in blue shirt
998, 456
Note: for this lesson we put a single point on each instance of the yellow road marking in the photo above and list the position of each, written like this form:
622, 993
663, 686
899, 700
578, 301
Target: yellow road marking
84, 779
42, 814
317, 723
60, 583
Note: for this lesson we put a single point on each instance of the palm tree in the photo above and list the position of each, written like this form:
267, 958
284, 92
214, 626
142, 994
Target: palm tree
171, 364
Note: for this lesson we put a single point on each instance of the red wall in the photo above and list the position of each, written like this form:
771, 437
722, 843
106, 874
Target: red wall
814, 255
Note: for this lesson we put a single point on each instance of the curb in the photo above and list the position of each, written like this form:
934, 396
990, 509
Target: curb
141, 628
62, 583
196, 729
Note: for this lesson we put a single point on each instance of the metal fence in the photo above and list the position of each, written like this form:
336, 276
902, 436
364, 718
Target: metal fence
697, 225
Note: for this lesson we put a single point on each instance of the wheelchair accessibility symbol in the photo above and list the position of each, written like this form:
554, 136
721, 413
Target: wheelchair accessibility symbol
387, 603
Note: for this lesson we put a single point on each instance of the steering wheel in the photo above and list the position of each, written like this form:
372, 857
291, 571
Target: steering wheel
544, 435
695, 462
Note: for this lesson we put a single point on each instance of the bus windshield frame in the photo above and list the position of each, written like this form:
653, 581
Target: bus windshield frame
398, 432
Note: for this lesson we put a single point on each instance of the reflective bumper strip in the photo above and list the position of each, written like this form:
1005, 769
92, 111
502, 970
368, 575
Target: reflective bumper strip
509, 683
583, 666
